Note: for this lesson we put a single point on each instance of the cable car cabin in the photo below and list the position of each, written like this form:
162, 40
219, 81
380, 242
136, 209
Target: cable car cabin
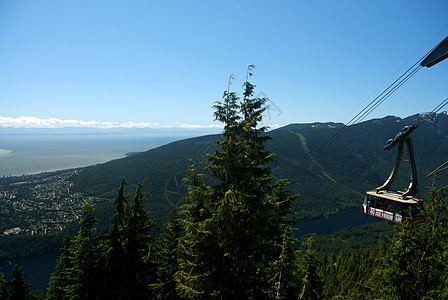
390, 206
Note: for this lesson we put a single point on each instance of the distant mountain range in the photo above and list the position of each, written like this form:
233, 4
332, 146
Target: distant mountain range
335, 179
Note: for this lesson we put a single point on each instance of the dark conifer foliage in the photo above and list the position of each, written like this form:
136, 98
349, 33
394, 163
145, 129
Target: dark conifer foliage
114, 260
84, 254
168, 258
3, 287
118, 265
311, 282
60, 279
19, 290
415, 260
235, 229
139, 247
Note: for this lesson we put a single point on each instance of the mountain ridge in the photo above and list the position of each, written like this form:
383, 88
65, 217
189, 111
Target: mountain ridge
324, 183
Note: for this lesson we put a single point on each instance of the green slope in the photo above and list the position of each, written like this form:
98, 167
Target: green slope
162, 169
323, 182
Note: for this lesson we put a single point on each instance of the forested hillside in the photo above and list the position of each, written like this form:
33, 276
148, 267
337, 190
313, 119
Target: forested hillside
333, 180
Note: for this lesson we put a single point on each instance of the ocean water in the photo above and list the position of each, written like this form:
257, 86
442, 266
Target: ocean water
34, 153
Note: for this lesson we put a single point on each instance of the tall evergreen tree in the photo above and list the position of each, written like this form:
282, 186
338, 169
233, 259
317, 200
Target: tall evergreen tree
3, 287
83, 276
139, 247
60, 279
167, 258
115, 260
19, 290
234, 228
311, 282
285, 268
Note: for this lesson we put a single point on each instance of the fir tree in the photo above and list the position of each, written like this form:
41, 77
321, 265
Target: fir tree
234, 228
83, 276
3, 287
139, 247
115, 259
167, 261
311, 282
19, 290
196, 242
60, 279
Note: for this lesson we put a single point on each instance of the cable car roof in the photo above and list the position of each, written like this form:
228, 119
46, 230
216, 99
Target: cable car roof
393, 197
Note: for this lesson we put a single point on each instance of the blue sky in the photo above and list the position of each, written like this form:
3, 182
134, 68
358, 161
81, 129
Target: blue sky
145, 63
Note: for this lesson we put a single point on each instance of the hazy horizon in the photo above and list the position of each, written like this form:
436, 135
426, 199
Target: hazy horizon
24, 154
36, 150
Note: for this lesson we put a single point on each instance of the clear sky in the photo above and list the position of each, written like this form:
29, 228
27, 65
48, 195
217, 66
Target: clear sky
166, 62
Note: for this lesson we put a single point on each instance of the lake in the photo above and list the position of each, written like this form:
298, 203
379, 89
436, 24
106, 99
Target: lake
37, 269
351, 217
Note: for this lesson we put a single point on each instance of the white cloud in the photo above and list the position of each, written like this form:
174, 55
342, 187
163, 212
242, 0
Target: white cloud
35, 122
190, 126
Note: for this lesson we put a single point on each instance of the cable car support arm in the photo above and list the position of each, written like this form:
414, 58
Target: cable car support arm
401, 139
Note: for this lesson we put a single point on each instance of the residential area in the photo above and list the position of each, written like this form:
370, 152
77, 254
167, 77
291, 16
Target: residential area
40, 203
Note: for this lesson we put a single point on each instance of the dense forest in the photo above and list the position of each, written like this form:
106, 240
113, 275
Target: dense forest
233, 238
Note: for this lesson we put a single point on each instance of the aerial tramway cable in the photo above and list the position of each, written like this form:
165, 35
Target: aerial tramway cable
435, 110
439, 169
363, 113
369, 108
426, 118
